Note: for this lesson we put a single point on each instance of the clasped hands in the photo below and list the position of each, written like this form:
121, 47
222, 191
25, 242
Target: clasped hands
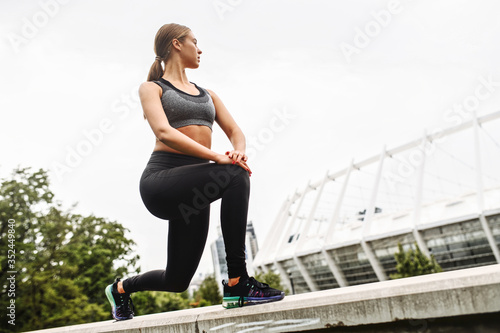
235, 157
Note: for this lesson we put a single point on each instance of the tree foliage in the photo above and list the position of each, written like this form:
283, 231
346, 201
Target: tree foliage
63, 260
148, 302
413, 262
272, 279
208, 293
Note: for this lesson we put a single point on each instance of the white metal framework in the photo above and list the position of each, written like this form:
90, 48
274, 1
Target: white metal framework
441, 192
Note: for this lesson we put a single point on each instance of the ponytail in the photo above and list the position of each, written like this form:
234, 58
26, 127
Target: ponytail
156, 70
162, 46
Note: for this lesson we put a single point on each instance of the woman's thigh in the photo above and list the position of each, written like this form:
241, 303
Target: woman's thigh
186, 190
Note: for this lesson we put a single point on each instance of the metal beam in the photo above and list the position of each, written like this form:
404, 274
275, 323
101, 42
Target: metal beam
310, 218
305, 274
372, 258
286, 235
273, 235
336, 211
284, 275
418, 201
337, 273
480, 191
436, 135
370, 211
277, 237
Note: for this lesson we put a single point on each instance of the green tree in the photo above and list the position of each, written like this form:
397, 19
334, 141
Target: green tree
208, 293
148, 302
63, 260
273, 280
413, 262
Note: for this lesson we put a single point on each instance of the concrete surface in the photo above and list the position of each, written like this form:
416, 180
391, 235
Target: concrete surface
413, 302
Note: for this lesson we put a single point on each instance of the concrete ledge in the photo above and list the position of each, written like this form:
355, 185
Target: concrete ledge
452, 294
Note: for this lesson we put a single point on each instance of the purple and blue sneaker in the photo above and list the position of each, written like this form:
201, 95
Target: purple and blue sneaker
120, 303
249, 292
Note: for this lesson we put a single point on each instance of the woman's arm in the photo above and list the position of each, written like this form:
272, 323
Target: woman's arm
151, 105
232, 130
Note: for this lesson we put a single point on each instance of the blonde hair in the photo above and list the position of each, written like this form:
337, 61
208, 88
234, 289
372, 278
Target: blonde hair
163, 44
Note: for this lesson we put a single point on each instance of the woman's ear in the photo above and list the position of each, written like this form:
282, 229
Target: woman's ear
176, 44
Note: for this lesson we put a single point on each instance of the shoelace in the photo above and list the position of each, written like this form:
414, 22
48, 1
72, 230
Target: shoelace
259, 289
126, 308
258, 284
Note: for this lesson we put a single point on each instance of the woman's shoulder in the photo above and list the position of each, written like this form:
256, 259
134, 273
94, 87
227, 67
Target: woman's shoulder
149, 87
150, 84
211, 93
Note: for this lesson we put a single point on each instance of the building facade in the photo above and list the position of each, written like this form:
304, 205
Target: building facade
440, 192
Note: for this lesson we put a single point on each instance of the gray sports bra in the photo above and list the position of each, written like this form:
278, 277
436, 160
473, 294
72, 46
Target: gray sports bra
183, 109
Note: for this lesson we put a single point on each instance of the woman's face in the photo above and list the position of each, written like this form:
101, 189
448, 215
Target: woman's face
190, 52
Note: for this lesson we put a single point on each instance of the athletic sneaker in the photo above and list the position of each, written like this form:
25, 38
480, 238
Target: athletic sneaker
120, 303
249, 292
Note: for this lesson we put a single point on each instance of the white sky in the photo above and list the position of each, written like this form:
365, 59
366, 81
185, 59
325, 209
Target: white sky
69, 67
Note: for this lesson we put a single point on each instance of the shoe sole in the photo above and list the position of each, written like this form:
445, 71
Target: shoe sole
236, 302
111, 300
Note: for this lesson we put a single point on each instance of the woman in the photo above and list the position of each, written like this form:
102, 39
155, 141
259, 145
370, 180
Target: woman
179, 181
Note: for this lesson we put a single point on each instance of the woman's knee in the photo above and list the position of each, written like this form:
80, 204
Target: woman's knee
240, 176
228, 174
179, 288
177, 285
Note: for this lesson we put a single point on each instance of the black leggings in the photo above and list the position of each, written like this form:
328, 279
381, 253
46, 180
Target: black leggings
180, 188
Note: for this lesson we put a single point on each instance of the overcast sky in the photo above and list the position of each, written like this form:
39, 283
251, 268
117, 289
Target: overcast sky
312, 84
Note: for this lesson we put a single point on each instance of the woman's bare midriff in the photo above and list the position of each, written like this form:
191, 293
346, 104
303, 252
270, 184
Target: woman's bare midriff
199, 133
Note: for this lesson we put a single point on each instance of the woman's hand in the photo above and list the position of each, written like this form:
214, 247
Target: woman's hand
237, 156
225, 159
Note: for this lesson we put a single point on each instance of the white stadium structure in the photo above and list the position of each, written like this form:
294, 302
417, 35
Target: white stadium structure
441, 191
